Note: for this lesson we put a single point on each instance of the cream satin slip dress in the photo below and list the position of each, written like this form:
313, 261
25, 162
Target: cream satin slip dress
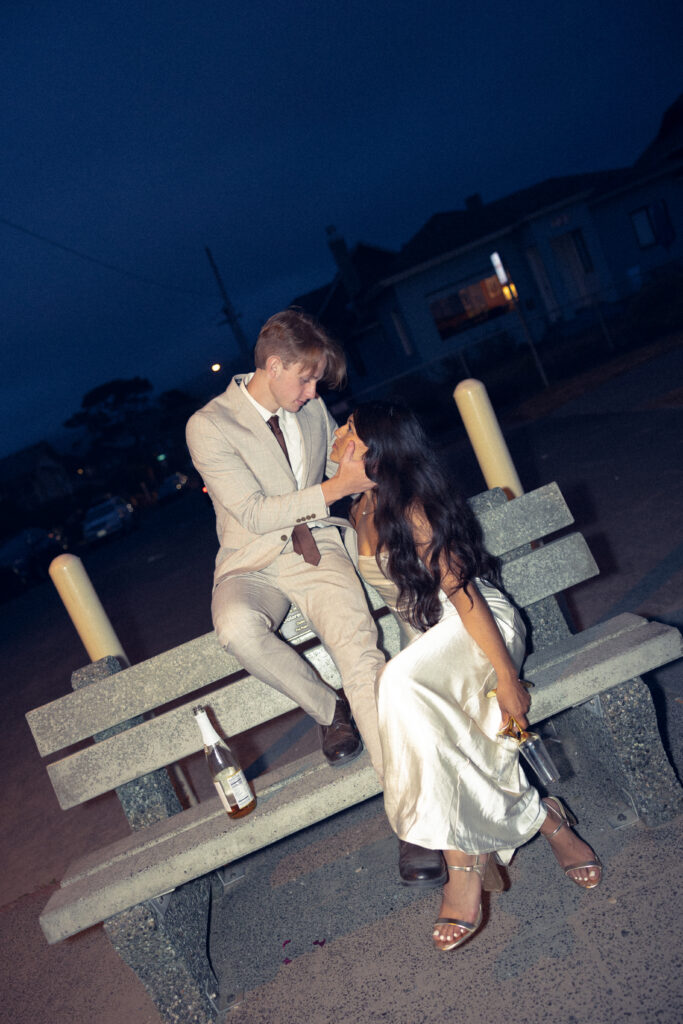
450, 782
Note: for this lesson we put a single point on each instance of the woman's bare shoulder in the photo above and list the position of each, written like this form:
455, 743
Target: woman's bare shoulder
417, 517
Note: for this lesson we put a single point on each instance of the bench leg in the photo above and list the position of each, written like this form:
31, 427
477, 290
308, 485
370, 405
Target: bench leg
620, 729
165, 942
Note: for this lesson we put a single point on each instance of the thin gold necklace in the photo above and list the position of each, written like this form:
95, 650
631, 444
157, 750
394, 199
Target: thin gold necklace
370, 509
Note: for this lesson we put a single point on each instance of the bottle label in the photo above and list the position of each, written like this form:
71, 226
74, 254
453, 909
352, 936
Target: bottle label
233, 789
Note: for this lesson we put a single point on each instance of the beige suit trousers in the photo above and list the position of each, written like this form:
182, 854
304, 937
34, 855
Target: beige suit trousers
247, 608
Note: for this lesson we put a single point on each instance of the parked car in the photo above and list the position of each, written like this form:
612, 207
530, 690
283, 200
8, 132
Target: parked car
172, 486
108, 517
28, 553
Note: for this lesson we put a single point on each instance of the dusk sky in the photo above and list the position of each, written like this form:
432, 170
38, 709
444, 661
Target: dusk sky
136, 134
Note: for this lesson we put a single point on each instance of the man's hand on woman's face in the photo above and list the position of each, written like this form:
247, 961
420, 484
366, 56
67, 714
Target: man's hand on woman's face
350, 477
352, 471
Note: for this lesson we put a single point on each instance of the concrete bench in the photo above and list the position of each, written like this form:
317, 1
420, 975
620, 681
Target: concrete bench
152, 889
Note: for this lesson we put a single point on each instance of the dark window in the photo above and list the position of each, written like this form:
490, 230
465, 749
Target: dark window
642, 226
653, 226
582, 251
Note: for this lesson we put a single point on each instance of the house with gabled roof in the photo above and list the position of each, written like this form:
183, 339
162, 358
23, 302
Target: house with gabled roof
572, 249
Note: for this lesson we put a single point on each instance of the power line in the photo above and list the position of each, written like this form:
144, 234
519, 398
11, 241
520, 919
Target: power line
102, 263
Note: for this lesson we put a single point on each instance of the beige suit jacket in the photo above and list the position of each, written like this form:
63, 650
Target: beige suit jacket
252, 487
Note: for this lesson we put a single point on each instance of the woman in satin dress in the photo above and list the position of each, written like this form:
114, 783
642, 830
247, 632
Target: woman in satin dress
451, 783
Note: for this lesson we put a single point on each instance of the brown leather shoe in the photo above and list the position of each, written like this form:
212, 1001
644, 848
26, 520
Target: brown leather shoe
340, 739
419, 867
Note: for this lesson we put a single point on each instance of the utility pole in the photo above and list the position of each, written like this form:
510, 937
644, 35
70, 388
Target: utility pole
231, 317
510, 293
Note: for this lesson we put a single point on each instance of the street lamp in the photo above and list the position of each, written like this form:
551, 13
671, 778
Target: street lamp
510, 292
220, 371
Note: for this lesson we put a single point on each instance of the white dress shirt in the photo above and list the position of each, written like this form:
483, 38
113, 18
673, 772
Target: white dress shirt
288, 425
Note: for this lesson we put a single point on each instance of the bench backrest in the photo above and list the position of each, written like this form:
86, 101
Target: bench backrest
242, 702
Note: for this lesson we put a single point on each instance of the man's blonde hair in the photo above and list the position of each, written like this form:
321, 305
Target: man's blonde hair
296, 337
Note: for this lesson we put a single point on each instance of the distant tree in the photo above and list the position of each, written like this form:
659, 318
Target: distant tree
112, 412
176, 407
120, 426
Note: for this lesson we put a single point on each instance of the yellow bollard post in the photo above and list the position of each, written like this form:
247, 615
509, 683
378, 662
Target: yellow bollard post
486, 437
68, 574
85, 610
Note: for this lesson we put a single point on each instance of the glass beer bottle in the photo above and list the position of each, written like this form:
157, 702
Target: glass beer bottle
228, 778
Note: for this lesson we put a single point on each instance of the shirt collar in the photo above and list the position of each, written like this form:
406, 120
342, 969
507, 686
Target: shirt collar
261, 409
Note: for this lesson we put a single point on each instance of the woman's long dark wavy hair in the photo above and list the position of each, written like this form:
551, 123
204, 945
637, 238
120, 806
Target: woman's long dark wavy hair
409, 478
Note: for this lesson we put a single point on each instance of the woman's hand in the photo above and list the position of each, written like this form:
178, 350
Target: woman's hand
477, 619
513, 701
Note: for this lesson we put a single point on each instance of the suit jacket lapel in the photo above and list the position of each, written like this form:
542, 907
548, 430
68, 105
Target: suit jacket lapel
250, 417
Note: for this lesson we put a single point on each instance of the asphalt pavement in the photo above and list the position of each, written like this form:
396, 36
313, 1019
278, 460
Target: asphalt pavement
320, 930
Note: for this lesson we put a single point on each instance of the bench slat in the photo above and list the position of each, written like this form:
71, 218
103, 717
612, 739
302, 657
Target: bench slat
77, 716
528, 518
549, 569
596, 660
198, 841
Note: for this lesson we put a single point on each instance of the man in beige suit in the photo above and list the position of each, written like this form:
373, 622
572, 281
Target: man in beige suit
262, 449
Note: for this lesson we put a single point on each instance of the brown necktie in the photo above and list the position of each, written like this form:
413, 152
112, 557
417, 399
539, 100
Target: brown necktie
302, 538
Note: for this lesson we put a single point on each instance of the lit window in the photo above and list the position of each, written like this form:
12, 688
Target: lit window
467, 306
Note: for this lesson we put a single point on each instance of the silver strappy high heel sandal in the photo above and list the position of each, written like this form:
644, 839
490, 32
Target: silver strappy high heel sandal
568, 820
491, 881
